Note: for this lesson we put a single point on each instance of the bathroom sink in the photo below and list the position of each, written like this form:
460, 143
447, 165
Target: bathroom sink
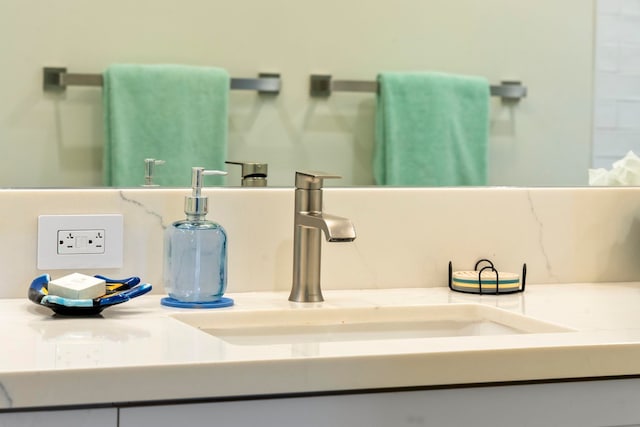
317, 325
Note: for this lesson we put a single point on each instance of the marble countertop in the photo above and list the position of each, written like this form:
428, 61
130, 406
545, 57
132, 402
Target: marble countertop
137, 351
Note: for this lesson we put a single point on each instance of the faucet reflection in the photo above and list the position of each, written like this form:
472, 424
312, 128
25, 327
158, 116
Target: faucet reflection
309, 223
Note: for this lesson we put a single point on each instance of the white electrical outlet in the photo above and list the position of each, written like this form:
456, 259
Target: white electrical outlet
80, 241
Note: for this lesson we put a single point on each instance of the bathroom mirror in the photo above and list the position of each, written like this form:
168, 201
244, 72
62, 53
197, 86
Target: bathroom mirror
55, 139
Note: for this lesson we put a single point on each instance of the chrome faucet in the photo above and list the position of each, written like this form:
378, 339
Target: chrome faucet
309, 223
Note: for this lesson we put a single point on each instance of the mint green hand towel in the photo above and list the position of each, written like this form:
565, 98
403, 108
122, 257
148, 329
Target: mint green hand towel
431, 130
174, 113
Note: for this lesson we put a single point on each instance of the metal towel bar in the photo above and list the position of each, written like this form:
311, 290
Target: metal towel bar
322, 85
57, 79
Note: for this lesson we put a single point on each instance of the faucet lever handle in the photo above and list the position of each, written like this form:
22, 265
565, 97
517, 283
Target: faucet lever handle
251, 168
312, 180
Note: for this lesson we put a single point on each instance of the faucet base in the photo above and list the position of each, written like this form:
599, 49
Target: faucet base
299, 297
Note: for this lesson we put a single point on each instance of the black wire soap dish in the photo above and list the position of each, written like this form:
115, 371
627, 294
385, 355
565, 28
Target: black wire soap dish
486, 280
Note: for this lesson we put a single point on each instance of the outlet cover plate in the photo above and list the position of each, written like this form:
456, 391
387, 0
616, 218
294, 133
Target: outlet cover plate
49, 257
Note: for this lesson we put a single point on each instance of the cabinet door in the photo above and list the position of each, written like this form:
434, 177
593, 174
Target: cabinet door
575, 404
72, 418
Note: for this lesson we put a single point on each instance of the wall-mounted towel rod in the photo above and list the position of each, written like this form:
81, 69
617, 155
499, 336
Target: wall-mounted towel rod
57, 79
321, 85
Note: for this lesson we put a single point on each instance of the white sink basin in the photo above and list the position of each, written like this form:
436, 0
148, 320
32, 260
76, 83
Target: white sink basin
317, 325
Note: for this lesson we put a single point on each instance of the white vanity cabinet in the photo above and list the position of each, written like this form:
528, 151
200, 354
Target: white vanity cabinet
107, 417
606, 403
580, 404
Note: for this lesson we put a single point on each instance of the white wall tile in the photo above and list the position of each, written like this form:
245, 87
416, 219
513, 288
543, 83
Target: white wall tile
627, 140
606, 114
608, 57
629, 115
605, 161
617, 81
612, 145
605, 143
608, 6
629, 28
617, 86
630, 7
628, 59
608, 29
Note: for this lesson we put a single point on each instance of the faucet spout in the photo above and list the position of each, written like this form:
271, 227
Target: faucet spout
309, 224
336, 228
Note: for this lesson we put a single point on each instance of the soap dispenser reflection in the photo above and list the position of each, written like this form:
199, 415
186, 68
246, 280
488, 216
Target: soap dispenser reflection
149, 169
195, 250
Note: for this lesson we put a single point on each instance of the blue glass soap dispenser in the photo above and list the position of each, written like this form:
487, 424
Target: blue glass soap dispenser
195, 254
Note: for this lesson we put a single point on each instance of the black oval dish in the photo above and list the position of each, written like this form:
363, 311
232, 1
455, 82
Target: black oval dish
118, 291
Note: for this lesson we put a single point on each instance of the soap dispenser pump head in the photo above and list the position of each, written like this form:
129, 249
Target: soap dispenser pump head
196, 205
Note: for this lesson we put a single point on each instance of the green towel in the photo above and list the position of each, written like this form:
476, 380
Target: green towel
173, 113
431, 130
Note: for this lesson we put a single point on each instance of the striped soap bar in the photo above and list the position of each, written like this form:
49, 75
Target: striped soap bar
470, 280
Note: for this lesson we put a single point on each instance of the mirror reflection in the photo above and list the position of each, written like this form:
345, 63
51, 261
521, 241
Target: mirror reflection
550, 138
